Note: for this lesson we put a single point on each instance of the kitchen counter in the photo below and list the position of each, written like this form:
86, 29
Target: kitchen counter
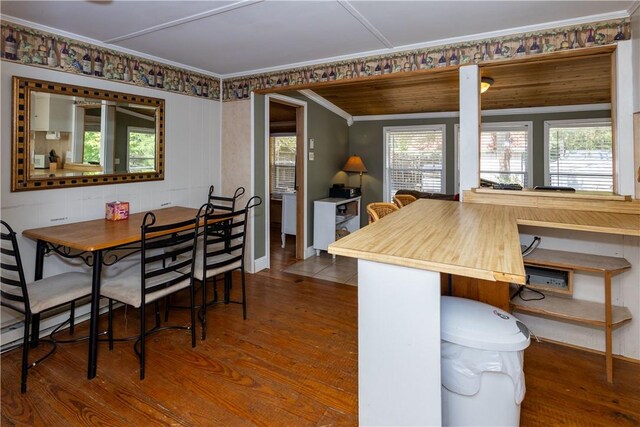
400, 258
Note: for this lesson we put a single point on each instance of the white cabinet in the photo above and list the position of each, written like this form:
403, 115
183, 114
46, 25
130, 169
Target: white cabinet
51, 113
334, 217
288, 215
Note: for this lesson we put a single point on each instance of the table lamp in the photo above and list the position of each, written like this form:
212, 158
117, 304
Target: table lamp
355, 165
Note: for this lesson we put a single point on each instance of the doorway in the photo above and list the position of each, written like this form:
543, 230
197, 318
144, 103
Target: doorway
285, 155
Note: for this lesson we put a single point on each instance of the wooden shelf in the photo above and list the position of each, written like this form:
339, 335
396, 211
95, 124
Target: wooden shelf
568, 309
576, 261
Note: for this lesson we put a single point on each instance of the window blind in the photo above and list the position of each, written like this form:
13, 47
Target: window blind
414, 159
581, 156
504, 153
283, 164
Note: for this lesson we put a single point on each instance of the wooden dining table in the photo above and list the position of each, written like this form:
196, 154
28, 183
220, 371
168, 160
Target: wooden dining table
90, 240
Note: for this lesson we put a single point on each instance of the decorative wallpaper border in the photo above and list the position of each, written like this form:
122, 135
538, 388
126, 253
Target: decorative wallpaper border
478, 51
46, 50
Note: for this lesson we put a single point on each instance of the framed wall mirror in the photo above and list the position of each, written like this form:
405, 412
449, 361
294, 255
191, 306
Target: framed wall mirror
69, 136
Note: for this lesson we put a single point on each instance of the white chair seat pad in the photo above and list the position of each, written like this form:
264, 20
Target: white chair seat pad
56, 290
126, 288
197, 274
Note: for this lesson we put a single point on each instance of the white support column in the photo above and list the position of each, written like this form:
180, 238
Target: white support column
398, 346
469, 141
624, 167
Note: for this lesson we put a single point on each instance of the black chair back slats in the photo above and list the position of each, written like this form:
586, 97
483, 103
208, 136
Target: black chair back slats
12, 279
224, 203
168, 251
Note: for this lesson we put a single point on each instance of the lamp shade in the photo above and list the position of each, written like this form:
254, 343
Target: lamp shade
354, 164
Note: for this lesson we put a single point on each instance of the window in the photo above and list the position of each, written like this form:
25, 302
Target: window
282, 155
505, 152
578, 154
141, 145
91, 147
414, 159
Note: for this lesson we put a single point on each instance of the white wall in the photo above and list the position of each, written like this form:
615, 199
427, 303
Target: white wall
193, 163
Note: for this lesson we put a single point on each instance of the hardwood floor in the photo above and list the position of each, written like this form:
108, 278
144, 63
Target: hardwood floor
292, 362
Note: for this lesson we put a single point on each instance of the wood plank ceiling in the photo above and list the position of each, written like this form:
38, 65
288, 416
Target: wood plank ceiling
563, 78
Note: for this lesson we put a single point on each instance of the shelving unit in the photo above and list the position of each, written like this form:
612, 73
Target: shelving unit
331, 215
604, 315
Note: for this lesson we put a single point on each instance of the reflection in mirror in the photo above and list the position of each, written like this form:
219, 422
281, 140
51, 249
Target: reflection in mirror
82, 136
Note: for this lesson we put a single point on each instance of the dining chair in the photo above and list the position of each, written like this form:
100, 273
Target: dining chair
222, 252
34, 298
219, 204
166, 266
379, 210
402, 200
225, 203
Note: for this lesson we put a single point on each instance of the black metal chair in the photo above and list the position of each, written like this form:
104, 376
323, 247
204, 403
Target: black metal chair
222, 252
224, 203
34, 298
167, 255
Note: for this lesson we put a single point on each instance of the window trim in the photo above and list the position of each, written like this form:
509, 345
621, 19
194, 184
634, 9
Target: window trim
507, 126
386, 179
573, 123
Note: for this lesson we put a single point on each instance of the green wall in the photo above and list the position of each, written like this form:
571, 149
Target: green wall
366, 140
331, 149
330, 133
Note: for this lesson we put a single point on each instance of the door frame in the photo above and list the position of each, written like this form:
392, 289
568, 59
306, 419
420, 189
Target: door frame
301, 174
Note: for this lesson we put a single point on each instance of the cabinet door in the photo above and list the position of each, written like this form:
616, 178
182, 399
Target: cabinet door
40, 113
289, 213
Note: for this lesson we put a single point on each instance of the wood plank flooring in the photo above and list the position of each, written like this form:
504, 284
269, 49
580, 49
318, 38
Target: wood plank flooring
293, 362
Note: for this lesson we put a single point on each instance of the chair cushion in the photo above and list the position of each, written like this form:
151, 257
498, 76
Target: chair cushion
126, 287
56, 290
197, 274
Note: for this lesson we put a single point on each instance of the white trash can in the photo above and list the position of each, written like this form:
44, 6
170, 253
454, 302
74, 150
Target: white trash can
482, 361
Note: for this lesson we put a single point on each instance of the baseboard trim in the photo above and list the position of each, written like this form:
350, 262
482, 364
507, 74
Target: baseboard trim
309, 252
590, 350
260, 264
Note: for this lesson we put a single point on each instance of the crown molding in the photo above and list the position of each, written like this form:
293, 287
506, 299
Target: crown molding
103, 45
328, 105
621, 14
488, 113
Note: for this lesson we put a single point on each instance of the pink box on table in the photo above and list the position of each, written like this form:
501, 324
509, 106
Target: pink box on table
117, 211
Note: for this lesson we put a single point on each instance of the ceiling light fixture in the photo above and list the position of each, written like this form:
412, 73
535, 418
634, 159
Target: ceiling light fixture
485, 84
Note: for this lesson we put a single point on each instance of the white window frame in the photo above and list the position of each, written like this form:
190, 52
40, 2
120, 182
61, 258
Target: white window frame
510, 126
386, 179
573, 124
138, 129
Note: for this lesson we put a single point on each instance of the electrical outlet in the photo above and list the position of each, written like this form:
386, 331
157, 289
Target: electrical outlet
311, 156
116, 161
311, 143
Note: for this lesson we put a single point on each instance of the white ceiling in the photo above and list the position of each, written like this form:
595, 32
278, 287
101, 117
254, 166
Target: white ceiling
230, 38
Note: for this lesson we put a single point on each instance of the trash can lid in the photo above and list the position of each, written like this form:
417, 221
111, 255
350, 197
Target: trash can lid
478, 325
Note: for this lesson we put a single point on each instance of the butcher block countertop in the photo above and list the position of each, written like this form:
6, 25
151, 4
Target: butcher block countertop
468, 239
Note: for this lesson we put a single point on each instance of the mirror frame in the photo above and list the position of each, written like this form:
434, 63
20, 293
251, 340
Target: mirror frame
21, 113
